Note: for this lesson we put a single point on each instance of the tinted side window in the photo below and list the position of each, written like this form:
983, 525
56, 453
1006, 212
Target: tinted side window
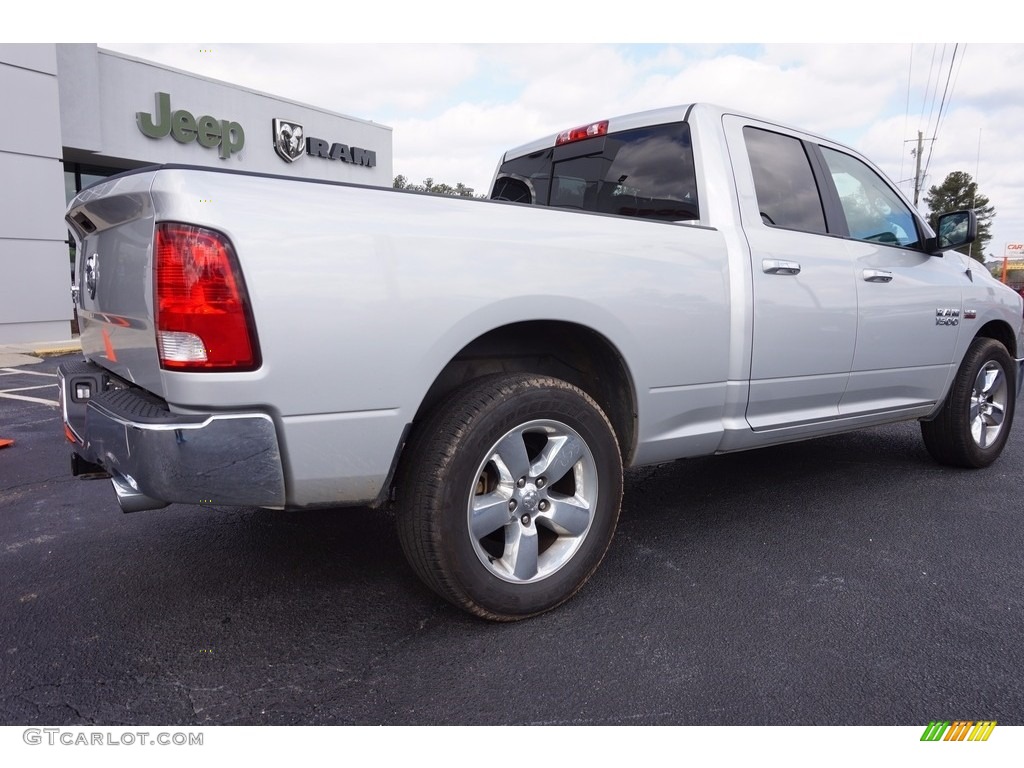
787, 195
645, 172
872, 209
524, 179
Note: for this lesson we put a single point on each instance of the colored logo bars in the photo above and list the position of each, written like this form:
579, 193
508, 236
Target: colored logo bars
960, 730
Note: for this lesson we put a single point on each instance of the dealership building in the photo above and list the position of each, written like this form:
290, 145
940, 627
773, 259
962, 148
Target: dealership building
75, 114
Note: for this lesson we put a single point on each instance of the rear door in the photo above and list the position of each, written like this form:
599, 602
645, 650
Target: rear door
804, 294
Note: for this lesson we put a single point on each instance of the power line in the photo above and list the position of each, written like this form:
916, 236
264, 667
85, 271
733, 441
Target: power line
928, 96
928, 86
943, 106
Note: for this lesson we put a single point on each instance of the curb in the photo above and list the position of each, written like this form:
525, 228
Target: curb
43, 348
14, 355
52, 350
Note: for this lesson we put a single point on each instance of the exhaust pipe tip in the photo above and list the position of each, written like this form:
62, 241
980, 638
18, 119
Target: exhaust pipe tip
130, 498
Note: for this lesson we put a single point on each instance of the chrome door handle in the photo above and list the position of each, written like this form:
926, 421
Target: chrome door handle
877, 276
776, 267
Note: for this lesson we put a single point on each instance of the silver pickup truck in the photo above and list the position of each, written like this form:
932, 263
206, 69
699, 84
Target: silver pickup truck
676, 283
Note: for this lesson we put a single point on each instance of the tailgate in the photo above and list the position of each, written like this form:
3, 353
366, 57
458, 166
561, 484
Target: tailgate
114, 223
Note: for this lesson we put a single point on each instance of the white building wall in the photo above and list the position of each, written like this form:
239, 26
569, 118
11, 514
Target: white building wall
35, 270
78, 103
101, 92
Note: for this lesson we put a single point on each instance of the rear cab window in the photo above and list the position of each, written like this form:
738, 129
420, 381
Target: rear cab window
643, 173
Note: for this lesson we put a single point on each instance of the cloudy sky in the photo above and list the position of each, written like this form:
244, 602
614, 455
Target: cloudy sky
455, 107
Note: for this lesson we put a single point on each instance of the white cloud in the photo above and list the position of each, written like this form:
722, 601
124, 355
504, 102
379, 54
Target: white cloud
456, 107
361, 80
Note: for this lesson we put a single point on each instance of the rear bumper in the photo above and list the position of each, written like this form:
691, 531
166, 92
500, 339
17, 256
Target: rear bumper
156, 457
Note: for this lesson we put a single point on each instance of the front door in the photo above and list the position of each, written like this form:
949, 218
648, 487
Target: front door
909, 303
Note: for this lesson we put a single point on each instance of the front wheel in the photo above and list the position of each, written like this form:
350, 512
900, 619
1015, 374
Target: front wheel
974, 423
509, 494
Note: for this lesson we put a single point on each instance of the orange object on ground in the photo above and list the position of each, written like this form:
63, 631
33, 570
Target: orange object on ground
5, 443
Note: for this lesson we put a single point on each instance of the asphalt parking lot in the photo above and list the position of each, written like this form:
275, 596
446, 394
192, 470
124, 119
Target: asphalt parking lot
845, 581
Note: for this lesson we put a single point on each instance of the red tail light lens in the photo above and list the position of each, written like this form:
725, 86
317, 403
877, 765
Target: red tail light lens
203, 321
582, 132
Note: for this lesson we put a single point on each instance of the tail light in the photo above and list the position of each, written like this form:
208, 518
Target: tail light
201, 307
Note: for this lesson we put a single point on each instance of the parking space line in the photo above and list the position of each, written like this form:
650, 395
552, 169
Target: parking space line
6, 394
11, 393
14, 371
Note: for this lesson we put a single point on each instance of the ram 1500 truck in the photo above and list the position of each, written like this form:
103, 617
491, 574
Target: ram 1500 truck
676, 283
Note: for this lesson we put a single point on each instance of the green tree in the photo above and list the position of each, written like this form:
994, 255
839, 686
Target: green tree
959, 192
428, 185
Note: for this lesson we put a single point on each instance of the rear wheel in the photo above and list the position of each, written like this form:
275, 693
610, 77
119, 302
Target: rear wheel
509, 494
974, 423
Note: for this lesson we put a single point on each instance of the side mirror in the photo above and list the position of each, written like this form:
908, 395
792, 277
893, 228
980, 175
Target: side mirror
954, 230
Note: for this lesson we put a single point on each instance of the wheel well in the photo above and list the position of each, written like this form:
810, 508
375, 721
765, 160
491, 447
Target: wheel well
566, 351
1002, 333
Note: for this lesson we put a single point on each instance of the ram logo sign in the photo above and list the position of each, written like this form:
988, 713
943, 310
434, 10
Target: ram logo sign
290, 142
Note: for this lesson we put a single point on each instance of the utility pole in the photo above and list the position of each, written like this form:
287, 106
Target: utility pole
917, 170
974, 197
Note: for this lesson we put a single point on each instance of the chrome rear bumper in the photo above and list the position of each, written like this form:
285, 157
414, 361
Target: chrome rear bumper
156, 457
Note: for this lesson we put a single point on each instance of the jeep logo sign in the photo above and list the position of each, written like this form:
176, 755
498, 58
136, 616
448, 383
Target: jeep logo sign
183, 127
290, 141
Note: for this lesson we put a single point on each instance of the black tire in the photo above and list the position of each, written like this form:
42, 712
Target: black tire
459, 464
974, 423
